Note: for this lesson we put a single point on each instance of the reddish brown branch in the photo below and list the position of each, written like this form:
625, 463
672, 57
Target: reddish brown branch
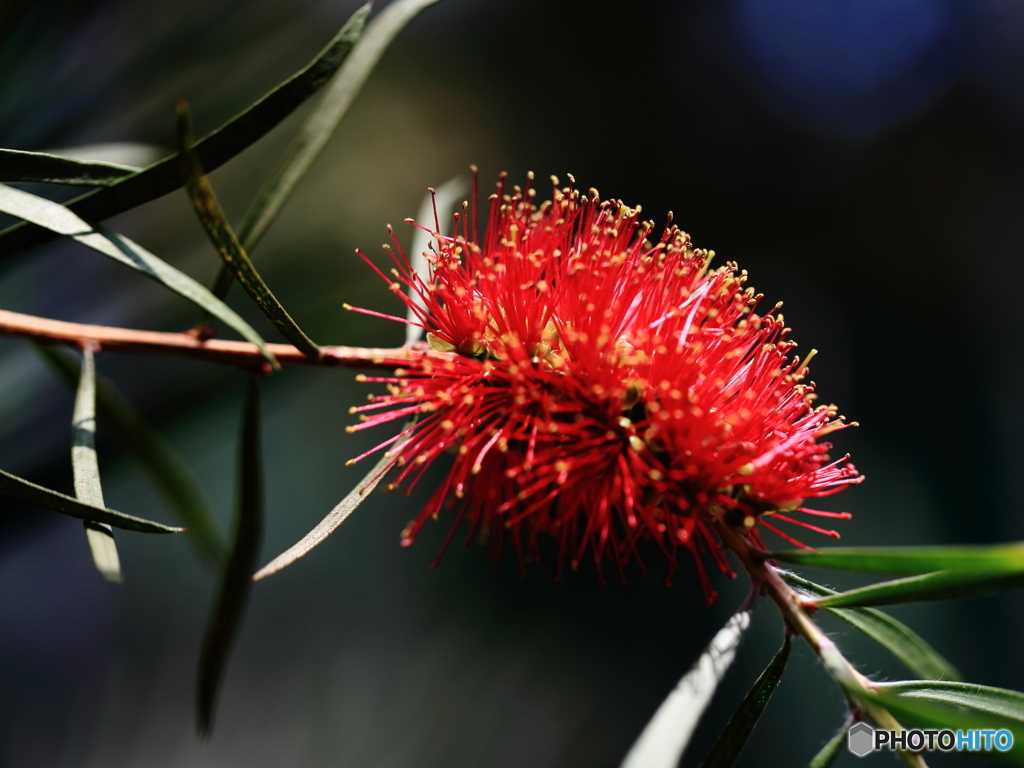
238, 353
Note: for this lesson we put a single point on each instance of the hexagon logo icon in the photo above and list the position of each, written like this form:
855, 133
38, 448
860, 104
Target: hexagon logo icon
860, 739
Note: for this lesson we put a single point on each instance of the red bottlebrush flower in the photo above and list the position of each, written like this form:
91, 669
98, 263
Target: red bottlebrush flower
601, 388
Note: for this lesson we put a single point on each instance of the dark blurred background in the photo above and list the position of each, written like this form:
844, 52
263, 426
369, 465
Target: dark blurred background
863, 159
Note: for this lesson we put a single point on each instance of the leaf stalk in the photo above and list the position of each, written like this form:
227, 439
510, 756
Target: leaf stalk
858, 689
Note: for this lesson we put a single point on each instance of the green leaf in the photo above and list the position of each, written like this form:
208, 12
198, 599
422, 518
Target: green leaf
340, 513
86, 469
995, 557
734, 736
983, 698
165, 470
944, 585
208, 209
18, 166
59, 219
235, 584
663, 741
918, 713
214, 149
830, 751
11, 485
311, 138
900, 640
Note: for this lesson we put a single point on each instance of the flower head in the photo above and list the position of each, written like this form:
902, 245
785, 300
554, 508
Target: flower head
601, 388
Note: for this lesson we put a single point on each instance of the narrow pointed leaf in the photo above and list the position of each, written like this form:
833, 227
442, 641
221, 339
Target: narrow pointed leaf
214, 149
983, 698
86, 470
18, 166
663, 741
125, 154
61, 220
235, 584
997, 557
208, 209
831, 750
12, 485
919, 713
338, 515
734, 736
319, 126
165, 469
900, 640
944, 585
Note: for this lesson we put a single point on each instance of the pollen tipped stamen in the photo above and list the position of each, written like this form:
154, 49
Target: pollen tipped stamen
808, 526
373, 313
785, 536
821, 513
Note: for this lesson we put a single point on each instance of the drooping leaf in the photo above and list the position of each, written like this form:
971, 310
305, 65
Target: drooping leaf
831, 750
944, 585
996, 557
235, 584
86, 469
339, 514
901, 641
734, 736
663, 741
59, 219
18, 166
918, 713
12, 485
214, 149
165, 469
983, 698
208, 209
319, 127
443, 200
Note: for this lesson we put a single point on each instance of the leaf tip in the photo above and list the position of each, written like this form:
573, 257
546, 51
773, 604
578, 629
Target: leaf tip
265, 571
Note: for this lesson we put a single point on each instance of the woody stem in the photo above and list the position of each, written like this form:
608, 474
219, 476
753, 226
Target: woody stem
236, 353
858, 689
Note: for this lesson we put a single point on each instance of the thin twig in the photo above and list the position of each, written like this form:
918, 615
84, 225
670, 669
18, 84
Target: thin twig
791, 606
241, 354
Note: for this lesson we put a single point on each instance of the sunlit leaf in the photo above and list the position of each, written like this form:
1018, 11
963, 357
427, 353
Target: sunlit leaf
319, 127
983, 698
127, 154
214, 149
997, 557
208, 209
11, 485
18, 166
663, 741
905, 644
734, 736
86, 469
831, 750
165, 470
944, 585
59, 219
339, 514
235, 584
